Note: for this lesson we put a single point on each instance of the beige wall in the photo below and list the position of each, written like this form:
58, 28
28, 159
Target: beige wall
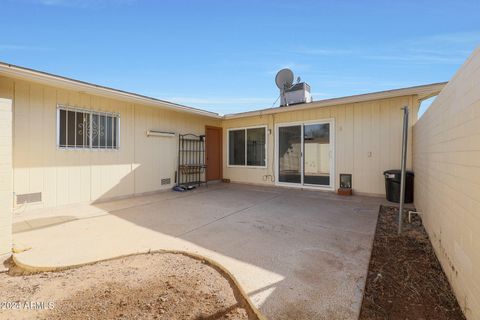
447, 181
6, 183
361, 129
73, 176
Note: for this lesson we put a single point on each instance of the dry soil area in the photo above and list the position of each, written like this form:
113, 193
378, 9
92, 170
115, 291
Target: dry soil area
405, 279
147, 286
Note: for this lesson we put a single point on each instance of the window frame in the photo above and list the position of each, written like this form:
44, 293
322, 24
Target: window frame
333, 165
90, 112
246, 144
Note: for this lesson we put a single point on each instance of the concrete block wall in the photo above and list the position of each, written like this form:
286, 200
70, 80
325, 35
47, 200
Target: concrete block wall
6, 171
446, 161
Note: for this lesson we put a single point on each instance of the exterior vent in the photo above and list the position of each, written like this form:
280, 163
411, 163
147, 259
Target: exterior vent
165, 181
29, 198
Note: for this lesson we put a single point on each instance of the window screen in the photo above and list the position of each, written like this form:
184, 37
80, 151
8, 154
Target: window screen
236, 147
247, 147
256, 147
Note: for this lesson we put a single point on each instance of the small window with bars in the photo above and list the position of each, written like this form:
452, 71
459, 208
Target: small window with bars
85, 129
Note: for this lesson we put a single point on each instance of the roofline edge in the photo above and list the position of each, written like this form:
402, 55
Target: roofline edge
53, 79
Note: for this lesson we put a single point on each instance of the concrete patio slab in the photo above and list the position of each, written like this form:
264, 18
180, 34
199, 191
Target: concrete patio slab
298, 254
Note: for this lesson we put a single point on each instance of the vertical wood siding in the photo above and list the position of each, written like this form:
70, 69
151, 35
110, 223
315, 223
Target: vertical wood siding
75, 176
360, 128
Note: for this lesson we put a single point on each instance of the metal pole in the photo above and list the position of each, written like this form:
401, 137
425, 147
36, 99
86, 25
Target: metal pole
403, 165
284, 97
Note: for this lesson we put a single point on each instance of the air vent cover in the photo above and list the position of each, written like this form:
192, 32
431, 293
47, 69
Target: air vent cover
29, 198
165, 181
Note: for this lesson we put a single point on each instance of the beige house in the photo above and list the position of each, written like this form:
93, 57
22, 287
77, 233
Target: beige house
361, 136
65, 142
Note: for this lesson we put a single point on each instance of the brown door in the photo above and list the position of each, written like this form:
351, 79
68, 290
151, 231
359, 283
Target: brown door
213, 144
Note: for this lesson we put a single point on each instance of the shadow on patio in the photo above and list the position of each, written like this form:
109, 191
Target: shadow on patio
298, 254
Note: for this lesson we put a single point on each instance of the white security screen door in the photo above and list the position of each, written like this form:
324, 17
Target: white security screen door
305, 154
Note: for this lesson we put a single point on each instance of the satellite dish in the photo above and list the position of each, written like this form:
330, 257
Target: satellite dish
284, 79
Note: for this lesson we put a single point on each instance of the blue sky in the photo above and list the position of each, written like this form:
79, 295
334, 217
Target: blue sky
223, 55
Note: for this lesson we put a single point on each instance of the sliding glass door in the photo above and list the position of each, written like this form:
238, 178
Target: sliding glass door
316, 146
290, 154
305, 154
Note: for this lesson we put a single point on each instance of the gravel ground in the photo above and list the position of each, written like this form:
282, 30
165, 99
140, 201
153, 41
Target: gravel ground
147, 286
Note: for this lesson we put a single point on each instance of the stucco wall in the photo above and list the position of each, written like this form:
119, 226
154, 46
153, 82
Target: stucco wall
447, 181
6, 185
368, 139
75, 176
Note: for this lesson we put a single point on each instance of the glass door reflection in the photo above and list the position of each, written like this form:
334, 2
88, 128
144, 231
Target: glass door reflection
290, 154
317, 169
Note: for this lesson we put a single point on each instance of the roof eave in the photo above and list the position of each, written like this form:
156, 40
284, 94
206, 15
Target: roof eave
90, 88
422, 91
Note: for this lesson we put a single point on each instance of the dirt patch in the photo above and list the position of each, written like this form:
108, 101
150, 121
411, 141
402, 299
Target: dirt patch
405, 279
147, 286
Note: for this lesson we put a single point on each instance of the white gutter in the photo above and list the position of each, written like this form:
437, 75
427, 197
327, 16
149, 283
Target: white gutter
422, 91
86, 87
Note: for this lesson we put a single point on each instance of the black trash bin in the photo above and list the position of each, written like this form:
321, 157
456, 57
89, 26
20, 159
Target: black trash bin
392, 185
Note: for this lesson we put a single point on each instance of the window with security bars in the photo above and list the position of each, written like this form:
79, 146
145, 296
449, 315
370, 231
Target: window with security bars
85, 129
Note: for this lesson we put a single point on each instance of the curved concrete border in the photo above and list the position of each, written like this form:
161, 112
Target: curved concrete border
239, 293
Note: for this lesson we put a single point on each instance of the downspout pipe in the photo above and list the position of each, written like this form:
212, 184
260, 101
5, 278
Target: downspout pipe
403, 168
